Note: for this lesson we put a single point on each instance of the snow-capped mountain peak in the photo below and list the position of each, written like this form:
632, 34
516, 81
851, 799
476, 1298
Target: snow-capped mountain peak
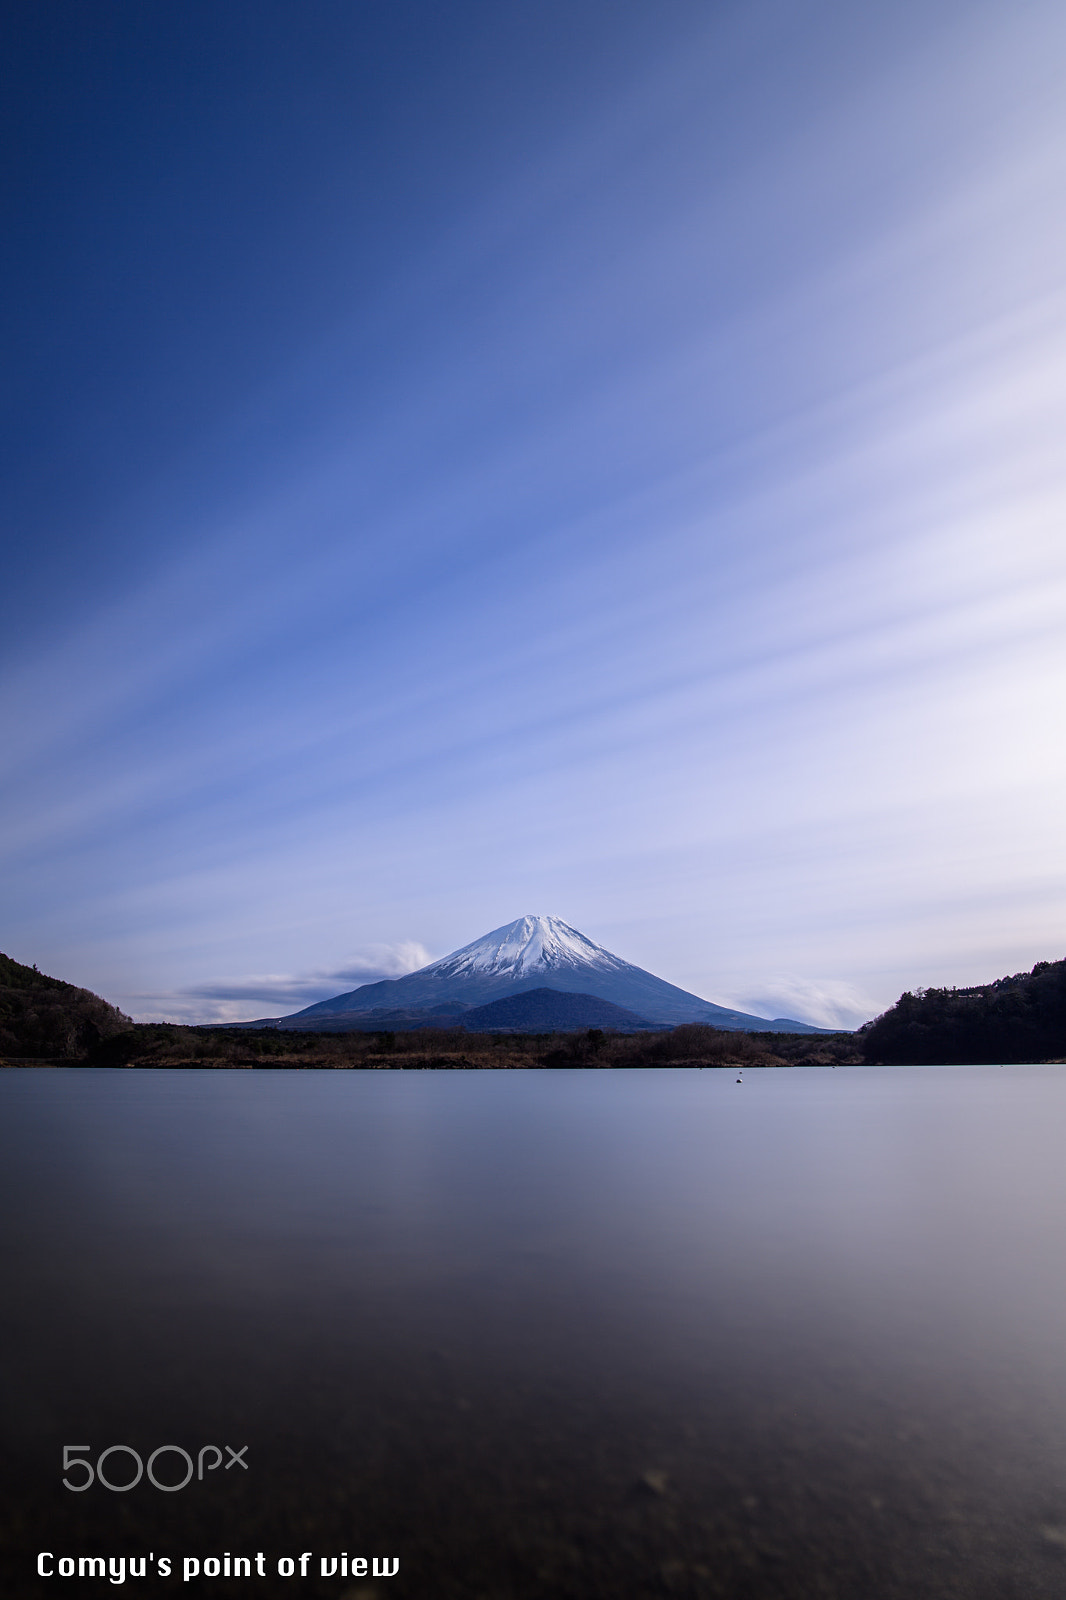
529, 953
528, 947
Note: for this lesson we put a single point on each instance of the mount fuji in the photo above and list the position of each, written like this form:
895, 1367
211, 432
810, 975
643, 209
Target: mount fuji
530, 953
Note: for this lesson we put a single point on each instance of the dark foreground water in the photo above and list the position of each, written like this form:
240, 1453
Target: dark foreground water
541, 1334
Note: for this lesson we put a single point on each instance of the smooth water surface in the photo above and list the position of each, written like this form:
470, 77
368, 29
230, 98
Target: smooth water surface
547, 1333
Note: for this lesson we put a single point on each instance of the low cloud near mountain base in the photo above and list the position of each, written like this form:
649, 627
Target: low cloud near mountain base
240, 999
825, 1002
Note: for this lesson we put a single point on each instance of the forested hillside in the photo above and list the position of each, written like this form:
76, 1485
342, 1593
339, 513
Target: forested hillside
43, 1018
1022, 1018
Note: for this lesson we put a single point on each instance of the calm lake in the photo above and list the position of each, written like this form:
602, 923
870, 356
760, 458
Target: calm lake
566, 1334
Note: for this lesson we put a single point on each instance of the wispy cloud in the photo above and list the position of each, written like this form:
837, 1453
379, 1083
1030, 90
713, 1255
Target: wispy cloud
825, 1002
272, 994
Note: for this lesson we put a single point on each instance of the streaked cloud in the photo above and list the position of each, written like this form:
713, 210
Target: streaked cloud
667, 535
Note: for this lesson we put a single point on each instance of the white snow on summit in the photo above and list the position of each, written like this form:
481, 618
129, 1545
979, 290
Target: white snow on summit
526, 947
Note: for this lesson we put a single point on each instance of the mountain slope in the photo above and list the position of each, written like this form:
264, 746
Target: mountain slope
533, 953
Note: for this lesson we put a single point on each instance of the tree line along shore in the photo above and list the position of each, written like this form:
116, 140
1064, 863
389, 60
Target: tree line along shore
46, 1022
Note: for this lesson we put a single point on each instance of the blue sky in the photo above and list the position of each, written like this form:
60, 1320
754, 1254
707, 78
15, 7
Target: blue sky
592, 459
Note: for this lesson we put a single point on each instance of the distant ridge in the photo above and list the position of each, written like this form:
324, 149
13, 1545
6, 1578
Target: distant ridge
551, 1011
527, 954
